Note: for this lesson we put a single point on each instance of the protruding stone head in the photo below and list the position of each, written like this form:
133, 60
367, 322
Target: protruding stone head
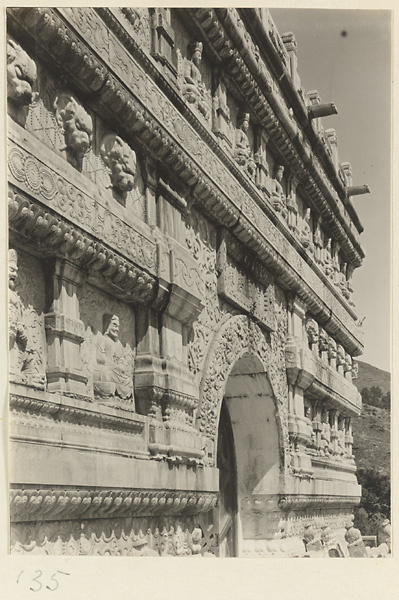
21, 74
279, 172
312, 329
332, 348
77, 124
323, 340
340, 355
121, 160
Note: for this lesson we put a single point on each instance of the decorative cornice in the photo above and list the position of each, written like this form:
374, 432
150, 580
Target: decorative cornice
58, 237
301, 501
30, 504
90, 417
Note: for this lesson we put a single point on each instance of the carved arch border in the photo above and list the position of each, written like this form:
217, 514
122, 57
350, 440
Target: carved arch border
234, 338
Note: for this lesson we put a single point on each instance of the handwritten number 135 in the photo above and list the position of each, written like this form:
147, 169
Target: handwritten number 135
38, 585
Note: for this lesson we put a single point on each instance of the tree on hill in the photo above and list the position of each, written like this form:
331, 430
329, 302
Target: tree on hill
375, 504
374, 396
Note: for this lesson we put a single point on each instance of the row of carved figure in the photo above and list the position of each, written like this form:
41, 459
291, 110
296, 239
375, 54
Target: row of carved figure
120, 159
330, 433
75, 122
112, 375
326, 348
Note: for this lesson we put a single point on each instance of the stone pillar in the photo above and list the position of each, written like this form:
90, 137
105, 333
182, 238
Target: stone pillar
334, 414
65, 331
221, 118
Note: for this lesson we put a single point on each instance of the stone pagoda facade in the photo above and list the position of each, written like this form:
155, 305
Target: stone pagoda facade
181, 324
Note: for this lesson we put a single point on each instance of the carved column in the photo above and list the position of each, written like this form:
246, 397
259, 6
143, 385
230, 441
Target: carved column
300, 373
65, 331
314, 99
221, 118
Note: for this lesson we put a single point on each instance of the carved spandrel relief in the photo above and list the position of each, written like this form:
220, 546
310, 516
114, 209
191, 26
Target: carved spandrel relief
21, 79
26, 324
77, 125
193, 88
107, 356
201, 242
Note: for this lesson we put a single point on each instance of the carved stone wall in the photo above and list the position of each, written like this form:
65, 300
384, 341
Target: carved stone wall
168, 536
154, 173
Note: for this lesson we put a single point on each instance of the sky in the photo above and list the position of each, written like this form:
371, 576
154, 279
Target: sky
346, 56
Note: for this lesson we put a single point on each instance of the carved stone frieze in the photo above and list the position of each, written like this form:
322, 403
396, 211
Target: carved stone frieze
26, 323
33, 504
76, 412
139, 536
61, 238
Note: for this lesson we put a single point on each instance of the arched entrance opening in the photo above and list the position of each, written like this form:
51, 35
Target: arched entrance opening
248, 455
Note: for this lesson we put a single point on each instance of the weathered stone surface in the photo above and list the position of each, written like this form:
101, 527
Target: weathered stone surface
181, 330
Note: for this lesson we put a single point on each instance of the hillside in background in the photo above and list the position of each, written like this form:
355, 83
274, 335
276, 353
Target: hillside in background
370, 376
371, 439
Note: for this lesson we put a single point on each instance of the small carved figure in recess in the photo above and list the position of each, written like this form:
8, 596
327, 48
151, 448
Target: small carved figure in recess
23, 357
355, 369
111, 377
325, 433
332, 349
306, 233
77, 125
277, 192
348, 363
340, 356
312, 330
242, 149
308, 417
193, 88
341, 438
121, 161
21, 74
323, 341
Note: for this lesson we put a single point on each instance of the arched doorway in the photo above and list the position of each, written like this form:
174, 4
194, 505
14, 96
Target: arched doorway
248, 456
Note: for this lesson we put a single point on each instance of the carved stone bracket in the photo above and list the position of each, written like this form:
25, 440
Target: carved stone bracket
45, 228
37, 504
